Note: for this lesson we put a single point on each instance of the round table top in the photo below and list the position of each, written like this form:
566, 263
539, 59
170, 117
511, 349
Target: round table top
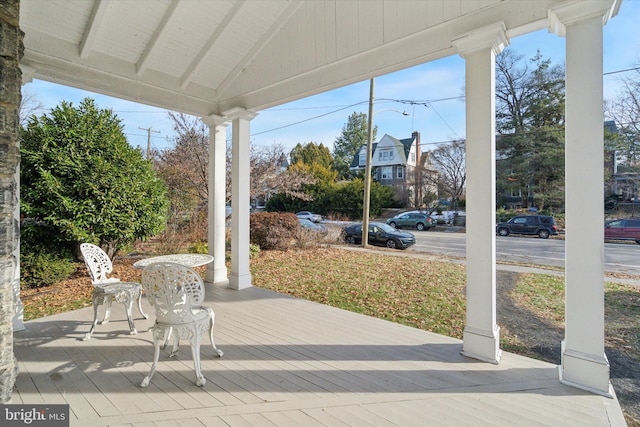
189, 260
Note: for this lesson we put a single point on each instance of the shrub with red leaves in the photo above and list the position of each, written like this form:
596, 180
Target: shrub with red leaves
274, 230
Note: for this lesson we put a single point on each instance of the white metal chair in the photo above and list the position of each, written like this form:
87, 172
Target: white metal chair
106, 289
176, 292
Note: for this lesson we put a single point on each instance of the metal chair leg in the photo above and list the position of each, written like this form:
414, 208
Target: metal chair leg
129, 305
213, 344
156, 357
146, 316
87, 336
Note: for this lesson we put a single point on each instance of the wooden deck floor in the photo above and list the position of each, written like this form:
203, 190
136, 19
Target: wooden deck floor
290, 362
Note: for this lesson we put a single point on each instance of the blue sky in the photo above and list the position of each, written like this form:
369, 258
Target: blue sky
430, 93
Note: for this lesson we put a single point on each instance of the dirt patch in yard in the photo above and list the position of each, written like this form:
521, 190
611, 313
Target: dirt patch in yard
540, 338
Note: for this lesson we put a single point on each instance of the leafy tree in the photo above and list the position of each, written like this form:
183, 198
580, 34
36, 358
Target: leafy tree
530, 122
315, 160
311, 153
355, 133
82, 180
322, 175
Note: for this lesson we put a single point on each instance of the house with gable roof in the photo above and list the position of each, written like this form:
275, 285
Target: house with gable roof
400, 163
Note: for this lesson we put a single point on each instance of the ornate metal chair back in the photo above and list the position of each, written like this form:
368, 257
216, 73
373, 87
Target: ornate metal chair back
173, 290
97, 262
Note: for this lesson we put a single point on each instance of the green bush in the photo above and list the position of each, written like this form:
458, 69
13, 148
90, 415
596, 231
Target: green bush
254, 250
343, 199
274, 230
80, 177
44, 269
199, 248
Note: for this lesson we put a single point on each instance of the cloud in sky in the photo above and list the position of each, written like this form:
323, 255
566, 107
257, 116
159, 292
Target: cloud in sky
430, 93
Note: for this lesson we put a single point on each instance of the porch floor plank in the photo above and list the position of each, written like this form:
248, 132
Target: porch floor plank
289, 362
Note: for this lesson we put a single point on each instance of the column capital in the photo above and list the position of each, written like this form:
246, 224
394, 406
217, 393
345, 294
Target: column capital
570, 13
239, 113
492, 37
215, 120
27, 73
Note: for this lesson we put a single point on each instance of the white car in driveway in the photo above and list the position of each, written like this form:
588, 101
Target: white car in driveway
310, 216
445, 216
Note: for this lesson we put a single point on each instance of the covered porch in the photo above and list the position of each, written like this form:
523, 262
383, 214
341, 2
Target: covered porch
226, 61
290, 362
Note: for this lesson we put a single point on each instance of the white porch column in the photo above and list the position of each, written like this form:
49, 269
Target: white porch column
217, 183
481, 338
584, 363
240, 197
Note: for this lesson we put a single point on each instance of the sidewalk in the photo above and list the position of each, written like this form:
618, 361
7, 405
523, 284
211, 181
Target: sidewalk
631, 280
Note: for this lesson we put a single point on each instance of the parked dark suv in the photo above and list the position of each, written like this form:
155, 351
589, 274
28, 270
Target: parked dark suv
541, 225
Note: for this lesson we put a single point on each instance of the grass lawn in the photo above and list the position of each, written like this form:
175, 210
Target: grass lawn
427, 294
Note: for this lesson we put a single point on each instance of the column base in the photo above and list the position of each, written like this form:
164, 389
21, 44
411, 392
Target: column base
210, 287
482, 345
240, 281
18, 318
586, 372
217, 275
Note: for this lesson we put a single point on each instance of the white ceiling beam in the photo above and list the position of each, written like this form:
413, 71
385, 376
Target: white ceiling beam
91, 32
143, 62
197, 61
268, 35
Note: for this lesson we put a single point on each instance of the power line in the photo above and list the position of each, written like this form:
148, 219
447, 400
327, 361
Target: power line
621, 71
309, 119
425, 103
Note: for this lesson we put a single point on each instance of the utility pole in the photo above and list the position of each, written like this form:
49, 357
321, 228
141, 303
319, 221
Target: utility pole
366, 202
367, 173
149, 130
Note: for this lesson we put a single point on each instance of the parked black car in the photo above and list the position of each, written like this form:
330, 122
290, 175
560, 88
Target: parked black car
380, 234
541, 225
312, 226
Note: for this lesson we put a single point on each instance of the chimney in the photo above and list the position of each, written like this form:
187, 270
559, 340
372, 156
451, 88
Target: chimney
416, 135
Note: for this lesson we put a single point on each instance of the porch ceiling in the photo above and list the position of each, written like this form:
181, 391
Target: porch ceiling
204, 57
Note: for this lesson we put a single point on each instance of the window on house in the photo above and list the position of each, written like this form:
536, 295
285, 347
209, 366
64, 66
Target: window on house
400, 173
413, 157
386, 173
385, 155
363, 159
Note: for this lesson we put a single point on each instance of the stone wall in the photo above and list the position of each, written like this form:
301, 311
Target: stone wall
11, 50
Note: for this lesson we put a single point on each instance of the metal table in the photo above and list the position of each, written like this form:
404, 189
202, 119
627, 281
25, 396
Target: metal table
189, 260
